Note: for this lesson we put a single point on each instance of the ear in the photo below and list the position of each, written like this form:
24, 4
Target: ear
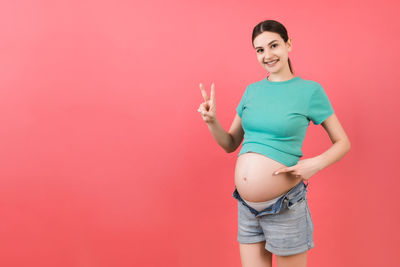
289, 44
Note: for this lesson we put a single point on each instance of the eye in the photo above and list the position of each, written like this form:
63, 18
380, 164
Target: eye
273, 46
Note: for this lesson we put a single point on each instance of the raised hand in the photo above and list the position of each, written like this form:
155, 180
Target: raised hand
208, 107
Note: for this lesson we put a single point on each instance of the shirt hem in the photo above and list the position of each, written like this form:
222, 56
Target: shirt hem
279, 156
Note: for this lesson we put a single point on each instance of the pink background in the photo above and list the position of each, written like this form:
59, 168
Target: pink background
105, 160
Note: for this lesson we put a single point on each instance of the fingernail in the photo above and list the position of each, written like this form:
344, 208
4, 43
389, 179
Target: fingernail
276, 173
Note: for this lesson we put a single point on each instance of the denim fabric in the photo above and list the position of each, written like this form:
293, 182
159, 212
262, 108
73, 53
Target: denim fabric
286, 225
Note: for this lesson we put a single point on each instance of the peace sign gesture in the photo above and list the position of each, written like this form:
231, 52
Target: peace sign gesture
208, 107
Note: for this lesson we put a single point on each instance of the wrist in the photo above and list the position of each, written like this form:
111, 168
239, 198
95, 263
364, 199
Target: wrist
320, 162
213, 122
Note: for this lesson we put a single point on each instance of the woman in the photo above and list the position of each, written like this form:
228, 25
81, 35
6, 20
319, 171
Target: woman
273, 116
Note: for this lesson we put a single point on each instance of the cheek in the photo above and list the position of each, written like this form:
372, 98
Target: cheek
283, 54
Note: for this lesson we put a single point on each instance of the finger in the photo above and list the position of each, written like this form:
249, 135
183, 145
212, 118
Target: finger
212, 94
203, 110
283, 170
205, 115
203, 92
279, 171
205, 106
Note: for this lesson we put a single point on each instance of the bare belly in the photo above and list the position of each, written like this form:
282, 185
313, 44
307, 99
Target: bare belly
255, 181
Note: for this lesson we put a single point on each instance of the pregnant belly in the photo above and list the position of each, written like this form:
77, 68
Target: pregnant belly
255, 181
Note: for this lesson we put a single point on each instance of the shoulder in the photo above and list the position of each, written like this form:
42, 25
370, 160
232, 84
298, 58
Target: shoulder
254, 84
311, 84
313, 87
250, 87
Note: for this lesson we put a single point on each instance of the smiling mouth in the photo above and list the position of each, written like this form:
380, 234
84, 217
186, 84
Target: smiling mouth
271, 62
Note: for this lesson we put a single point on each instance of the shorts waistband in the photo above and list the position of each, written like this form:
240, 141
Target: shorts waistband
294, 195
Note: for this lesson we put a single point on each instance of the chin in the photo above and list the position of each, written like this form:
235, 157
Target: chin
271, 72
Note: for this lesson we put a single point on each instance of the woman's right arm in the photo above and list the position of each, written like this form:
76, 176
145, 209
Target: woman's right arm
230, 140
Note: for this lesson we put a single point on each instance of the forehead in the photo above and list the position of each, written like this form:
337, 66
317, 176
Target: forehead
265, 38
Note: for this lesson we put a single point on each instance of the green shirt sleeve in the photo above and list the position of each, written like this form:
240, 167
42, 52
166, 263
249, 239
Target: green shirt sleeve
319, 107
242, 104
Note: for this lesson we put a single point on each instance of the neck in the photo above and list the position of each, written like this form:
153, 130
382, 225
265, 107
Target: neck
279, 77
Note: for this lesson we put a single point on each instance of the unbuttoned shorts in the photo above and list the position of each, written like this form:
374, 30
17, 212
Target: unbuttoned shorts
285, 225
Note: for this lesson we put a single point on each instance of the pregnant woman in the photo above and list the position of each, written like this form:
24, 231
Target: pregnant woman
272, 117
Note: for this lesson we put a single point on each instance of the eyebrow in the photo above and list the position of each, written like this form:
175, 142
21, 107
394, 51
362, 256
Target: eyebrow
268, 44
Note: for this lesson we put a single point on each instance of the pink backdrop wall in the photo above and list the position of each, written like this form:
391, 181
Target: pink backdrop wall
106, 162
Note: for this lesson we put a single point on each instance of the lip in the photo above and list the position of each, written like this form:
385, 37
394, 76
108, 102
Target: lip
272, 65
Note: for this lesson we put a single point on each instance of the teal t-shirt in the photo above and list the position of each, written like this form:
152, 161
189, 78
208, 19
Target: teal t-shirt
275, 116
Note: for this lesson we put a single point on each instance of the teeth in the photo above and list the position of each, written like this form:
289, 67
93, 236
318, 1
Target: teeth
271, 62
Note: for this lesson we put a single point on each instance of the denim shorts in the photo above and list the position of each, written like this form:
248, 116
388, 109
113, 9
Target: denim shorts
285, 225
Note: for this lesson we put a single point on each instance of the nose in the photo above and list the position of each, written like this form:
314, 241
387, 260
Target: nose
267, 54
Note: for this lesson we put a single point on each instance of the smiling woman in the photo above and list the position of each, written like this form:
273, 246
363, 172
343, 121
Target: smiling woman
272, 50
272, 119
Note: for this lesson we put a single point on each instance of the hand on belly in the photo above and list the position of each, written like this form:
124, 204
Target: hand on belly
255, 181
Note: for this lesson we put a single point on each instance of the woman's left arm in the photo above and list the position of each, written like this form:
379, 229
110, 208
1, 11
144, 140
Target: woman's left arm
341, 143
